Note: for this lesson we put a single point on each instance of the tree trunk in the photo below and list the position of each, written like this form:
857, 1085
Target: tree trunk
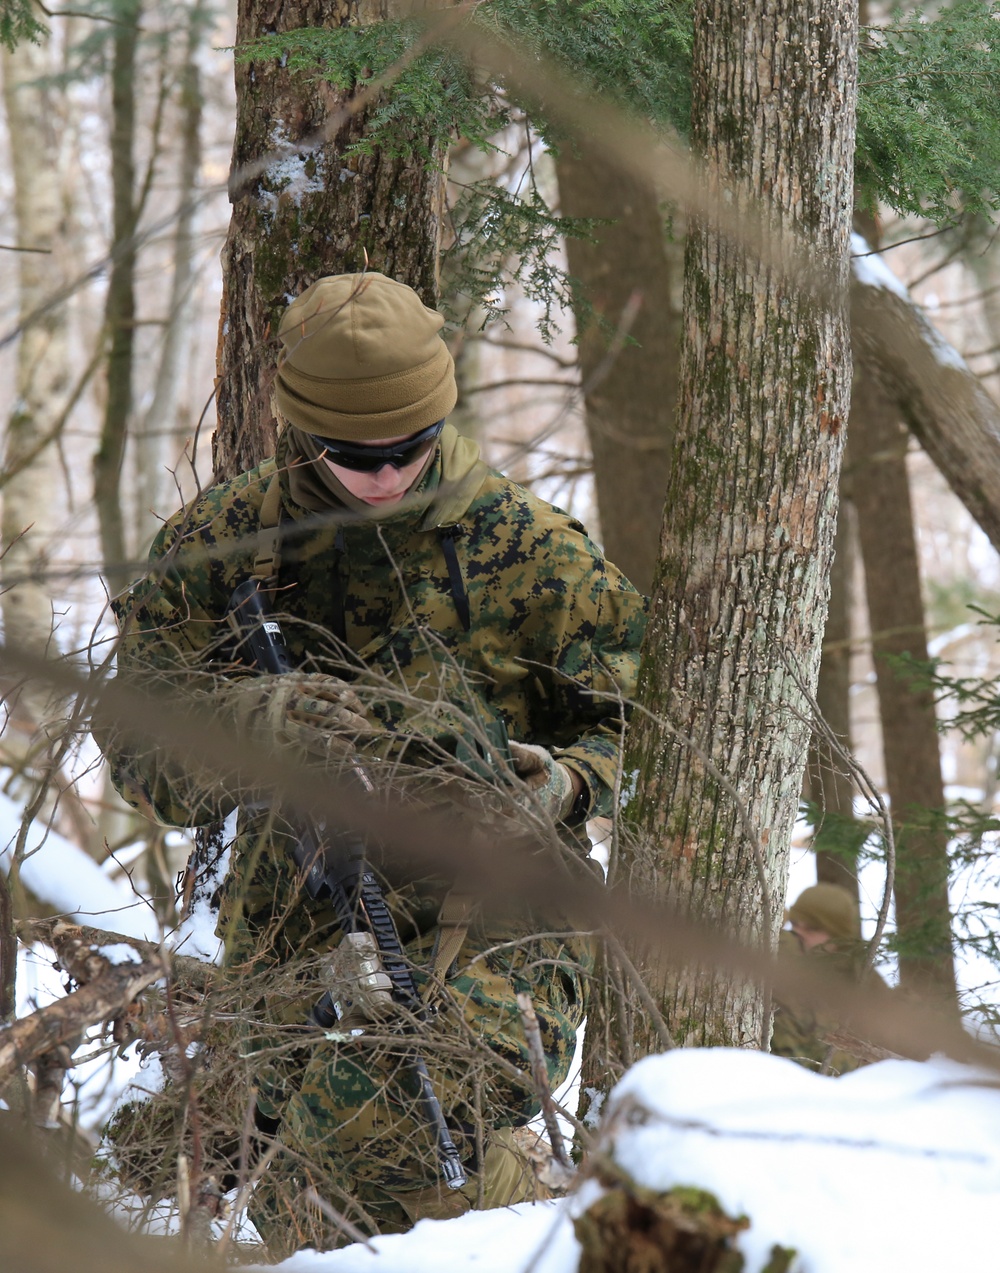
630, 389
714, 766
303, 208
119, 308
32, 475
155, 445
881, 492
830, 785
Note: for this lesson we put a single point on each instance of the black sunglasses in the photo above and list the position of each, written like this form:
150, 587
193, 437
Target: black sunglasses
369, 459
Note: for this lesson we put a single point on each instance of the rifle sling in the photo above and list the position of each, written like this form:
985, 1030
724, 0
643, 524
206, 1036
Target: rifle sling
454, 919
267, 563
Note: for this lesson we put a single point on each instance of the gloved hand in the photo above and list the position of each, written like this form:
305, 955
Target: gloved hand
307, 712
549, 782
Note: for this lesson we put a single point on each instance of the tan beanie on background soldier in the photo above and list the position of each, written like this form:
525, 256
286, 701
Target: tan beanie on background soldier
822, 913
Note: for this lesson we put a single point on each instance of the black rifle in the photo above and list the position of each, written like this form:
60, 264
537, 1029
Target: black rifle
334, 869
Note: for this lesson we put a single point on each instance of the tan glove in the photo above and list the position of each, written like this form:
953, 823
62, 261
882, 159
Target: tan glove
549, 783
306, 712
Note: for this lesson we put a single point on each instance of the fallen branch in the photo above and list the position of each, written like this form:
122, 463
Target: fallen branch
844, 1041
70, 941
103, 999
941, 400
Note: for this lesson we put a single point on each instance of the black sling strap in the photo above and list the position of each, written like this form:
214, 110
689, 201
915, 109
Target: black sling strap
448, 535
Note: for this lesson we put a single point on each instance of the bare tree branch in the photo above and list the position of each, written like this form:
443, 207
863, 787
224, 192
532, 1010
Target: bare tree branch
106, 997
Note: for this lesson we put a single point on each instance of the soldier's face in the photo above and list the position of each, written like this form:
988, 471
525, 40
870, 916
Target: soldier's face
386, 485
810, 937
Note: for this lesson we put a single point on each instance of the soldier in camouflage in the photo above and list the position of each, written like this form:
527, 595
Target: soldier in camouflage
826, 927
423, 596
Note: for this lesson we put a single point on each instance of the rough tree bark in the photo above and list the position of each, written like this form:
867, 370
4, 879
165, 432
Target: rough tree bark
631, 396
714, 764
302, 208
880, 490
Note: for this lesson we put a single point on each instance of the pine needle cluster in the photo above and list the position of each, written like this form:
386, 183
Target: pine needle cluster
928, 117
928, 123
18, 22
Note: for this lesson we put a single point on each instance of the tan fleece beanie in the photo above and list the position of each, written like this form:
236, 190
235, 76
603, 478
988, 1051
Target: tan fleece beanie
363, 360
827, 908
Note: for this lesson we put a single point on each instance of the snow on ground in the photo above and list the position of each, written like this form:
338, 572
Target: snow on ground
894, 1167
59, 871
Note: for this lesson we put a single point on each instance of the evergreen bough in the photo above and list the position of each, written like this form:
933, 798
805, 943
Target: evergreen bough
928, 117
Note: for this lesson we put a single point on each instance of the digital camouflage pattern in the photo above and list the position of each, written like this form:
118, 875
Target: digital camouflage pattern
350, 1121
550, 649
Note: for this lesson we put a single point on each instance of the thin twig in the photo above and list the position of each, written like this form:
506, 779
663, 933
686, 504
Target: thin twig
246, 1187
868, 788
642, 990
540, 1075
8, 954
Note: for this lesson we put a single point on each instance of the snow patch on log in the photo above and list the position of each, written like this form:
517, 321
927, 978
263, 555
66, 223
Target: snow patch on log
870, 270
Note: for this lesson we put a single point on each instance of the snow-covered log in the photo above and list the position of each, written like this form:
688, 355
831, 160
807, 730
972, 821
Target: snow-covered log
941, 400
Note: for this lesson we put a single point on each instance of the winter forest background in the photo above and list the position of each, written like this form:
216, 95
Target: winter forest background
525, 165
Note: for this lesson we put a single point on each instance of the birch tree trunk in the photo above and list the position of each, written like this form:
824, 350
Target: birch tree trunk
714, 763
30, 462
155, 442
302, 208
630, 385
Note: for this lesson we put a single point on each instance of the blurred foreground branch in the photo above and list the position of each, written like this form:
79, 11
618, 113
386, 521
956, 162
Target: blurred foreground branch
531, 869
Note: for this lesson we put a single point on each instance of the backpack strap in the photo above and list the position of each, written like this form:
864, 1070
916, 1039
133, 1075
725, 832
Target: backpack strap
267, 563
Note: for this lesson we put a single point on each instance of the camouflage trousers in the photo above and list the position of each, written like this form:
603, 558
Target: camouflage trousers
353, 1132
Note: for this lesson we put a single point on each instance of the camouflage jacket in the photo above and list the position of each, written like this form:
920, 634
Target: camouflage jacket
536, 629
799, 1029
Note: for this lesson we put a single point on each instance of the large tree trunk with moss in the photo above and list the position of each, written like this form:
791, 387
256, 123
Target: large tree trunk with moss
880, 490
303, 207
714, 763
629, 349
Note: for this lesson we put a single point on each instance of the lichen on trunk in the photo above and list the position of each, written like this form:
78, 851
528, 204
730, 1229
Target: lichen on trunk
714, 763
306, 205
